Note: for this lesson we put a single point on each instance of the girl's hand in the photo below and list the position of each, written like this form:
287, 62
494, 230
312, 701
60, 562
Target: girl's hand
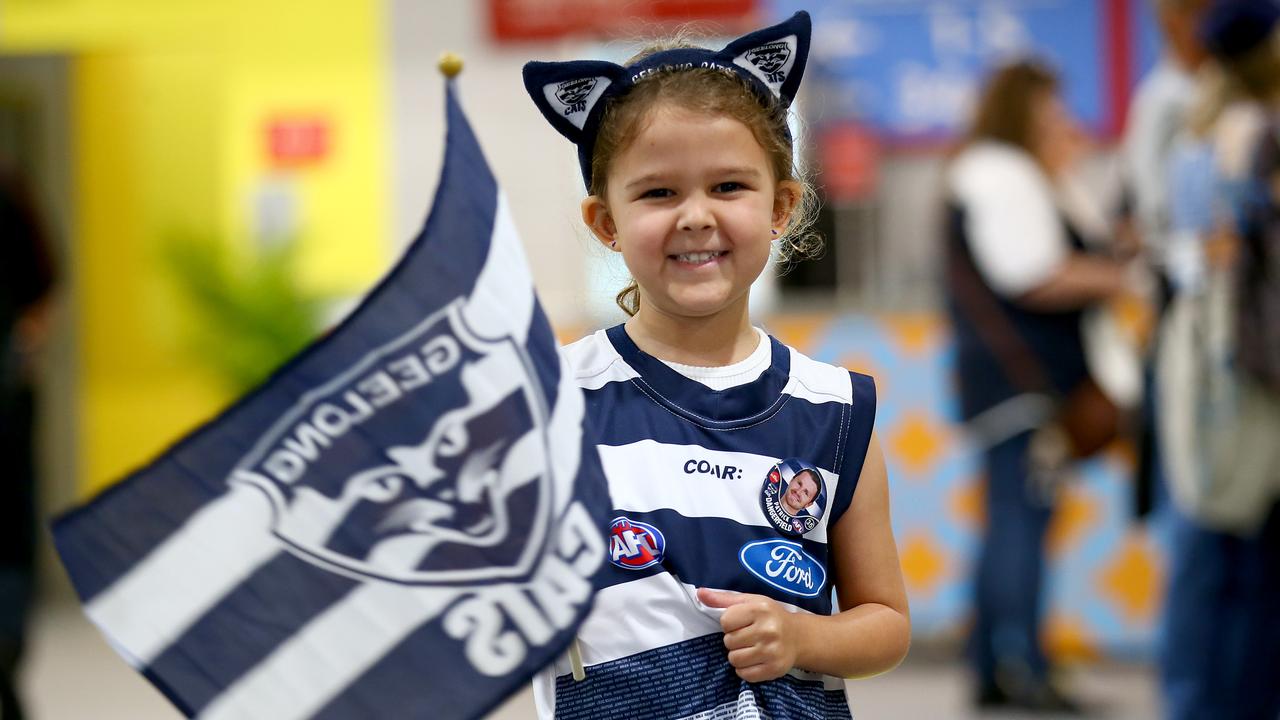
758, 632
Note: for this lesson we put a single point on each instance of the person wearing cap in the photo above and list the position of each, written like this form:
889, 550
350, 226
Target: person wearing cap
1220, 639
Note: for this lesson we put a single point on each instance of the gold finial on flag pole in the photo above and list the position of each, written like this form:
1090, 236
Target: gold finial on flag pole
450, 64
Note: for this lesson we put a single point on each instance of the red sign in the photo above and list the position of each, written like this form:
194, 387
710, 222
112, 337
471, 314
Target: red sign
297, 141
546, 19
850, 158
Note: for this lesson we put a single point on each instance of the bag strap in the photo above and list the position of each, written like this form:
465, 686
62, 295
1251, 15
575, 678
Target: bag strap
978, 304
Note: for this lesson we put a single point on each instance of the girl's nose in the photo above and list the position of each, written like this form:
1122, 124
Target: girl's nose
696, 215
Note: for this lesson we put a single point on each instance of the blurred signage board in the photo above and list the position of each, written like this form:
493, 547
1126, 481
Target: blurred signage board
911, 69
850, 158
517, 20
1144, 34
296, 141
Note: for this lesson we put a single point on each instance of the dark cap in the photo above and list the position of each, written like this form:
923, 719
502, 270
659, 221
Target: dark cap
1232, 28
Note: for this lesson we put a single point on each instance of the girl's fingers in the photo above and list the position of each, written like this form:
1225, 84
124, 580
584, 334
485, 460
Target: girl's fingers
759, 673
736, 618
740, 639
721, 598
746, 657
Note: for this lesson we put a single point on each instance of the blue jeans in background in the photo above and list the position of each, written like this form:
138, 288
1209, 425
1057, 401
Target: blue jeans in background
1005, 644
1220, 641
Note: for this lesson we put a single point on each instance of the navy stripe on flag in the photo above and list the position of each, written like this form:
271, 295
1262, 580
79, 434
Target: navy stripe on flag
202, 663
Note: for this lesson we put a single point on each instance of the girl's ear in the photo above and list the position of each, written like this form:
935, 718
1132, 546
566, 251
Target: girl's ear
786, 198
597, 217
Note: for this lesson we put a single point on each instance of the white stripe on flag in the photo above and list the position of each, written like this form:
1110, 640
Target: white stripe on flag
174, 585
313, 666
503, 293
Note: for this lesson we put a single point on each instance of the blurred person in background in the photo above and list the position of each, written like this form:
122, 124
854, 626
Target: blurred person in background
1219, 380
25, 281
1156, 117
1021, 273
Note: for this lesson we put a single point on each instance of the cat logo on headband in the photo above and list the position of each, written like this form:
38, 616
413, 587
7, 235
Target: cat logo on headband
573, 94
771, 58
794, 497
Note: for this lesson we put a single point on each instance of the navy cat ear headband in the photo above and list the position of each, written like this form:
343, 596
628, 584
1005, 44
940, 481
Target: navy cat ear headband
571, 94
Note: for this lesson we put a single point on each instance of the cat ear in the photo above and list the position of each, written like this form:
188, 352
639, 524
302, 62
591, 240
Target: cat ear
775, 55
567, 92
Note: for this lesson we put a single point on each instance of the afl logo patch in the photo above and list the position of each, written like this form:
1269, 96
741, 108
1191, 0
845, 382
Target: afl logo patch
635, 545
784, 565
794, 497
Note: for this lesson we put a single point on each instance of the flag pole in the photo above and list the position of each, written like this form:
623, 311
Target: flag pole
575, 661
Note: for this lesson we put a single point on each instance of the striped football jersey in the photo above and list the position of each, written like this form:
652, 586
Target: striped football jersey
733, 489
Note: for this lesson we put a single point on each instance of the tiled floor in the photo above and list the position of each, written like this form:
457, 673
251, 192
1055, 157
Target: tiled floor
72, 675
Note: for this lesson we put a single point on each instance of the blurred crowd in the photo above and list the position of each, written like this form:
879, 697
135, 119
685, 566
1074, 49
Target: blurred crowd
1158, 318
1155, 317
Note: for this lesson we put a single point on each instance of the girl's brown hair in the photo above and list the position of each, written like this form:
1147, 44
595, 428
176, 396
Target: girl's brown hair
712, 92
1005, 109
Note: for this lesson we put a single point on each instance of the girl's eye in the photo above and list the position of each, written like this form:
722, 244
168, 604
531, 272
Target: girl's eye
657, 193
728, 187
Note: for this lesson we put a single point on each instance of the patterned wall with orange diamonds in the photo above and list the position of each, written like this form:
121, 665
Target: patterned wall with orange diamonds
1104, 572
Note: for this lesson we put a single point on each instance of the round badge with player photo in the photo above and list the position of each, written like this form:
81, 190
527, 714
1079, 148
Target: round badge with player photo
793, 497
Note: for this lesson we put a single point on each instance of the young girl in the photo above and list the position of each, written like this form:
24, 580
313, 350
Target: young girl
720, 602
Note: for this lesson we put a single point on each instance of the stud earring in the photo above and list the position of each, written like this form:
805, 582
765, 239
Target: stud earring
613, 244
775, 232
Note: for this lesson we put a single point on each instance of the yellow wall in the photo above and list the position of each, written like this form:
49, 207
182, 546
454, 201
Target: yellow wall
171, 104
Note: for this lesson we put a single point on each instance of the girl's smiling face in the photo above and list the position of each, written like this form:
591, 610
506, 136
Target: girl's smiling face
691, 204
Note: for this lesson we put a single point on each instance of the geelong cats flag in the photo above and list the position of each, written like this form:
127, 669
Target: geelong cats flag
404, 522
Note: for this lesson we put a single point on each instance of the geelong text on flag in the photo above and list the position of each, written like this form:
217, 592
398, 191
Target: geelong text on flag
405, 521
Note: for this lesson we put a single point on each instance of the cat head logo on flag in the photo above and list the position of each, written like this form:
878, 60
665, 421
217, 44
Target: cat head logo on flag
464, 497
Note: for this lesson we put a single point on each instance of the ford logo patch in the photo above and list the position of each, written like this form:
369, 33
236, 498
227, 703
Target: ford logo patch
784, 565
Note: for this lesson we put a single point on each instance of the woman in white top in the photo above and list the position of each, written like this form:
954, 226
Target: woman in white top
1020, 276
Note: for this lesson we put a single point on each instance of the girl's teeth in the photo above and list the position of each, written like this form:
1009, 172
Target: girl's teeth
697, 258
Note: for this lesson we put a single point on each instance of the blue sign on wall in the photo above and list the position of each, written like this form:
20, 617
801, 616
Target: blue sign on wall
911, 69
1144, 34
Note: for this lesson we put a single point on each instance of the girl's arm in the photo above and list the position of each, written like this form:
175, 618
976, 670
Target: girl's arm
872, 632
